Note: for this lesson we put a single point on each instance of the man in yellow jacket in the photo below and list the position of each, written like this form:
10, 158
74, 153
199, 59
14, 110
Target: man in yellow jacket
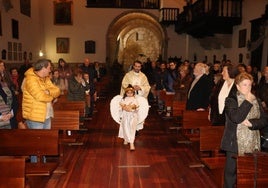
38, 94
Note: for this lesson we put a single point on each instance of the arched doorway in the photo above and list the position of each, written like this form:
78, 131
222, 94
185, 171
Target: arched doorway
135, 35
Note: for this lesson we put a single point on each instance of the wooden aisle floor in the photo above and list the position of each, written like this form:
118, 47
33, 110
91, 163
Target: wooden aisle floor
104, 162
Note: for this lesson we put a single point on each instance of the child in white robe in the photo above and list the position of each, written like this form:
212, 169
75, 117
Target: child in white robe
129, 117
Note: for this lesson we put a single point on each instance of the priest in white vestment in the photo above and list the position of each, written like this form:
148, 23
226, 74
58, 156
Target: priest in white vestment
137, 79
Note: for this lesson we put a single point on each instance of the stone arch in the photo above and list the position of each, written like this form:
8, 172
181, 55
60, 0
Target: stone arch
135, 35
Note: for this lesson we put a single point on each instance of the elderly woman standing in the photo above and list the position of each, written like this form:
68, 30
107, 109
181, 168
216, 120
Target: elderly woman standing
244, 118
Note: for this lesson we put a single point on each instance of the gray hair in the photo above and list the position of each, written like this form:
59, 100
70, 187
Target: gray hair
41, 63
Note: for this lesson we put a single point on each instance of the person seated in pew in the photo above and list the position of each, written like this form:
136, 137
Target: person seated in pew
244, 117
183, 83
77, 89
65, 73
160, 85
38, 94
58, 81
90, 95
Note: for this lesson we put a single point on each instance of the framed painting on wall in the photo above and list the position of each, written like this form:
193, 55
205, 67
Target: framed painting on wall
62, 45
90, 47
25, 7
63, 13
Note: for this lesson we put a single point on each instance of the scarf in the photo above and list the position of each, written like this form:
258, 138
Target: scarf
248, 140
224, 92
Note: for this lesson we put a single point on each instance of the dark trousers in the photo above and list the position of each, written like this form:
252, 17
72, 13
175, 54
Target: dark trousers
230, 170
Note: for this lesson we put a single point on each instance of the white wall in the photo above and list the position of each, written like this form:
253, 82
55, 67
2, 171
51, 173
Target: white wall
29, 29
251, 10
39, 31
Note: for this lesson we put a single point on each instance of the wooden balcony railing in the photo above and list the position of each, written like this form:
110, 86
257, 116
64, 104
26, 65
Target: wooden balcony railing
134, 4
214, 15
168, 15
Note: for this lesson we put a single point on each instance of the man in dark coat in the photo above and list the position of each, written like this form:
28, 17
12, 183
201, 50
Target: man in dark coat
199, 92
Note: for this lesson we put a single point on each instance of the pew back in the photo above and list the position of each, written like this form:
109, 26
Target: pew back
178, 107
210, 138
65, 120
195, 119
21, 142
71, 105
252, 170
12, 172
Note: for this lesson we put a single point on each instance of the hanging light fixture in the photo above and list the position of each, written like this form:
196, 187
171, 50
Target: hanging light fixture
41, 54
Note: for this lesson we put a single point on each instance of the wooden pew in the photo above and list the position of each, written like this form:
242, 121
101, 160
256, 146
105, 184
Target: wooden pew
210, 153
252, 170
177, 111
168, 98
67, 121
26, 142
210, 140
12, 172
73, 105
178, 107
191, 122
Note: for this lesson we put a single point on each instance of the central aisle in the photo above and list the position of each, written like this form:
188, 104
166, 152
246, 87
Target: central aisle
103, 161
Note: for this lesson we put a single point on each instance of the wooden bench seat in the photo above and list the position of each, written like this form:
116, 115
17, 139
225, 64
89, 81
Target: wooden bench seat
191, 123
73, 105
178, 107
177, 112
26, 142
210, 153
252, 170
12, 172
167, 98
68, 122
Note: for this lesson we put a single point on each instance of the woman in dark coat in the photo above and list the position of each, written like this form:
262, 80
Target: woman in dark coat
244, 118
219, 93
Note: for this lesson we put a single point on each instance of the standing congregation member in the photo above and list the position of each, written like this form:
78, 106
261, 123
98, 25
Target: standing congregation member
65, 73
171, 77
219, 94
244, 117
9, 103
262, 94
262, 89
38, 94
200, 89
